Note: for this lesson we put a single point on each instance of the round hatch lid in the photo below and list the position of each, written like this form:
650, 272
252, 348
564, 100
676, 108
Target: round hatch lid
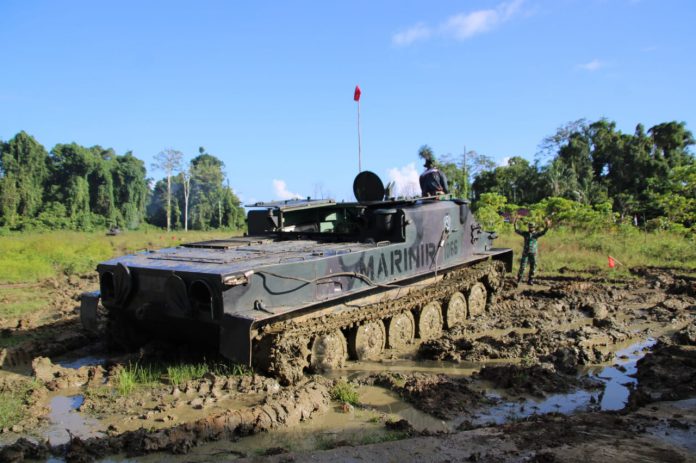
367, 186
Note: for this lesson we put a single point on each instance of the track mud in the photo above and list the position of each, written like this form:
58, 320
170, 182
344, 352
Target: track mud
570, 369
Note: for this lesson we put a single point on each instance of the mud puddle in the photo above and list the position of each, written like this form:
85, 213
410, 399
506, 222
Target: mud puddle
338, 426
619, 378
357, 370
366, 423
77, 362
618, 383
66, 421
674, 431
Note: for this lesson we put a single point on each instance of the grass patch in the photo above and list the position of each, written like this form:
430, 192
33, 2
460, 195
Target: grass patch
561, 250
27, 259
345, 393
14, 340
13, 403
31, 257
328, 442
11, 408
135, 375
17, 301
231, 369
180, 374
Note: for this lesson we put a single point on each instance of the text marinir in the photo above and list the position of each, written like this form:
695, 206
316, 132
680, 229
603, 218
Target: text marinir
406, 259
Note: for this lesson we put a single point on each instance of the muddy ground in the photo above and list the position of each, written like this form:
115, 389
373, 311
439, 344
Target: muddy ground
477, 393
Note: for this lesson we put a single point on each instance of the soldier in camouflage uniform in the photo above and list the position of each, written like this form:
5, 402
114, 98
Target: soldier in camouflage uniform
433, 181
529, 252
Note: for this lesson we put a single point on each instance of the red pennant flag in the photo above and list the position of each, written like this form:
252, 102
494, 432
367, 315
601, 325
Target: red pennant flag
356, 95
612, 262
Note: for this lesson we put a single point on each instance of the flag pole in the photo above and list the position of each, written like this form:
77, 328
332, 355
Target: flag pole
356, 97
359, 144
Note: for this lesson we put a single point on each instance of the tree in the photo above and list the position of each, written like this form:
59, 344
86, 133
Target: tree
461, 172
130, 189
488, 210
206, 189
473, 163
168, 160
551, 145
102, 184
672, 141
456, 177
70, 166
186, 182
518, 180
23, 173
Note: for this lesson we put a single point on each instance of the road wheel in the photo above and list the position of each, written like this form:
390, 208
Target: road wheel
366, 342
477, 300
288, 358
495, 278
329, 351
455, 314
400, 330
430, 321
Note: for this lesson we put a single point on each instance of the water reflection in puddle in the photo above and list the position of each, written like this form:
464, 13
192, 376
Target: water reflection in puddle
383, 401
66, 421
619, 380
617, 388
79, 362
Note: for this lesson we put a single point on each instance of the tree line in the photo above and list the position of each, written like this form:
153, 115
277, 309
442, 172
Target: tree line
81, 188
587, 170
647, 177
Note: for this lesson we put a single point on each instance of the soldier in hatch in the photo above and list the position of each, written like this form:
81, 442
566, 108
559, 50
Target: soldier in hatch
529, 251
433, 181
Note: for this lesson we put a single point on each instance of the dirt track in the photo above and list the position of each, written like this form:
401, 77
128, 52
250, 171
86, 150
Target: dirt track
538, 339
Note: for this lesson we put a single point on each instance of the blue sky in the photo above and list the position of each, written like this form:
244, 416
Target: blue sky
268, 86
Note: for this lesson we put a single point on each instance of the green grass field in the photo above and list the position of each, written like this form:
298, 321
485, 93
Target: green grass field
27, 260
563, 250
33, 257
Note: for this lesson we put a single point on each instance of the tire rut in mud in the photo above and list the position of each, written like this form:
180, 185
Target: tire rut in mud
288, 408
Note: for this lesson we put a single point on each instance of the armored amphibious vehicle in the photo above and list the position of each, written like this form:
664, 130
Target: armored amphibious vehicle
312, 284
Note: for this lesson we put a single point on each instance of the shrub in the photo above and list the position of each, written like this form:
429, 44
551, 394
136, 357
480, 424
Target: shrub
345, 392
488, 210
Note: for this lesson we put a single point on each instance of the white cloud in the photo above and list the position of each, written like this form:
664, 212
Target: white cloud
592, 66
407, 37
504, 162
281, 190
461, 26
405, 180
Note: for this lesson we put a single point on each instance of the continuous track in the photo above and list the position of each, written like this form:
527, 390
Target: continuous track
361, 328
